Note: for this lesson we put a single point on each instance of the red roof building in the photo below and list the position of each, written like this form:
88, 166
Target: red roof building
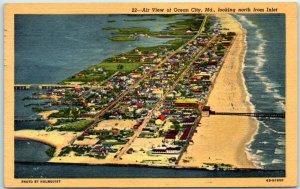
186, 133
162, 117
139, 105
77, 90
171, 134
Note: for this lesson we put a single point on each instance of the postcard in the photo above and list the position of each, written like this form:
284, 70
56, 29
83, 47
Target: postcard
150, 95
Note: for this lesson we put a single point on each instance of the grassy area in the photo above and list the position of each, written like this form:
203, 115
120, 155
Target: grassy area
114, 67
109, 69
193, 23
176, 43
110, 28
51, 151
76, 126
123, 38
133, 30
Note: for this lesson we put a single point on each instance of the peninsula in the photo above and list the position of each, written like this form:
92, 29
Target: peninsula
155, 106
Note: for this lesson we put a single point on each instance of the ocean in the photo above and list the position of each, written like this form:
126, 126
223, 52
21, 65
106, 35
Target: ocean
66, 44
264, 72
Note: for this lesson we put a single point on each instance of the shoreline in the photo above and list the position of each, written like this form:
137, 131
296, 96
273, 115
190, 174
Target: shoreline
207, 147
250, 104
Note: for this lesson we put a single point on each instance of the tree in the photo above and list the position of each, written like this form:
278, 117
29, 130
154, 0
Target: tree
120, 67
76, 113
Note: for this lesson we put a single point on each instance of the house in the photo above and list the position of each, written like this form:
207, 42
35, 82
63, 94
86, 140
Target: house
139, 105
136, 75
77, 90
226, 43
189, 121
159, 122
158, 93
203, 76
162, 117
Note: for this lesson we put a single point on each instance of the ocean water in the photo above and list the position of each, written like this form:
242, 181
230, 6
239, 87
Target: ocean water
50, 48
264, 72
49, 53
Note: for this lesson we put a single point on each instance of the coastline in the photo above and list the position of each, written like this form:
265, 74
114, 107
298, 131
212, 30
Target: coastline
228, 95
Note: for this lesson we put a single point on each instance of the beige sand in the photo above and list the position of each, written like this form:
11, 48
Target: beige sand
119, 124
222, 139
54, 138
55, 97
75, 83
46, 114
137, 157
141, 154
88, 140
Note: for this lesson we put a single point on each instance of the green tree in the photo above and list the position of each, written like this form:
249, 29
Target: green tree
120, 67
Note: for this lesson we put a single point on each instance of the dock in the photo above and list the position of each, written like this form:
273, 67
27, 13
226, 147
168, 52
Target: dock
44, 86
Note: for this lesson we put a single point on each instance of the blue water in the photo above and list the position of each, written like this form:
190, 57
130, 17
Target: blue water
45, 170
50, 48
264, 74
30, 151
49, 53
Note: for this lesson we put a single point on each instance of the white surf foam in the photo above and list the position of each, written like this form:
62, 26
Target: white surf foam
277, 161
264, 142
270, 129
278, 151
270, 86
245, 20
250, 155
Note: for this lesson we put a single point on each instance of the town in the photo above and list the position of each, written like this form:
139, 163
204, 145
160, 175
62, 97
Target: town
142, 113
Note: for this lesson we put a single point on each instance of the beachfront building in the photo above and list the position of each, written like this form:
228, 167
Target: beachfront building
186, 103
166, 150
205, 111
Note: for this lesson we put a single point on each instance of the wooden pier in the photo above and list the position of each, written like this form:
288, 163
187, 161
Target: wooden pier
43, 86
259, 114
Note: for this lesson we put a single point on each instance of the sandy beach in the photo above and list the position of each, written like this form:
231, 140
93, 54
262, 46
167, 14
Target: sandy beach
56, 139
223, 139
119, 124
45, 115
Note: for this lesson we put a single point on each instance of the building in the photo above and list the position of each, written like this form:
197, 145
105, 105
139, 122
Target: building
186, 133
186, 103
167, 150
205, 111
171, 134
